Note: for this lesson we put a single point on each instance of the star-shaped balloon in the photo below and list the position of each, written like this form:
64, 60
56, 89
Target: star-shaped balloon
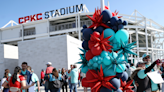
116, 62
125, 49
100, 80
83, 61
97, 20
125, 87
115, 14
102, 42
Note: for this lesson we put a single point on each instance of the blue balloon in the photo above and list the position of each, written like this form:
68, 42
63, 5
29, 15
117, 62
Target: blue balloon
103, 66
99, 62
118, 70
119, 21
122, 35
114, 40
108, 72
100, 58
107, 60
119, 75
125, 76
108, 24
104, 54
119, 90
107, 15
85, 45
87, 33
120, 26
114, 54
84, 69
91, 62
109, 32
113, 20
125, 23
104, 89
115, 45
95, 59
99, 29
84, 26
116, 83
95, 65
115, 28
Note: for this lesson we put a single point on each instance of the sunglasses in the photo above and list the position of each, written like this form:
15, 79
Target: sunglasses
147, 58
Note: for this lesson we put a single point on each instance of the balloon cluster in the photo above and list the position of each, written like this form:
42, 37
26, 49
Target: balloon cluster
105, 52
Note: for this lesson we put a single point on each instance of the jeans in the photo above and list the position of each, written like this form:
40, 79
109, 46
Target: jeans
78, 83
69, 83
46, 86
162, 87
55, 90
73, 86
64, 86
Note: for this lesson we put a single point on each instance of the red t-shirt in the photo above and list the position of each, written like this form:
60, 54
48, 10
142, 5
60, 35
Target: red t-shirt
49, 69
17, 83
79, 77
42, 75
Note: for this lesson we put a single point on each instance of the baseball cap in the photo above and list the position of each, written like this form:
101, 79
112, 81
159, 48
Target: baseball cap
144, 55
140, 63
49, 63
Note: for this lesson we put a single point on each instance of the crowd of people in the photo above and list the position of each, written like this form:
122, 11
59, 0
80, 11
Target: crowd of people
55, 80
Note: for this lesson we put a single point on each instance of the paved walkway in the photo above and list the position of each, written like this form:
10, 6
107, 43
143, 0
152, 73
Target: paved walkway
80, 89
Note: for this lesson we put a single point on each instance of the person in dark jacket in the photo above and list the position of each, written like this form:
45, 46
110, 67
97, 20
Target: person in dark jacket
143, 82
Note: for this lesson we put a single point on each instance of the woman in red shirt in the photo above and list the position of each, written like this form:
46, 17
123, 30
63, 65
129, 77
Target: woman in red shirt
16, 82
42, 77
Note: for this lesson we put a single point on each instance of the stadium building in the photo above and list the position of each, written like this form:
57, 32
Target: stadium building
55, 36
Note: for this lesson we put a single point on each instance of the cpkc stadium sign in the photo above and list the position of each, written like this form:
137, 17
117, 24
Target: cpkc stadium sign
52, 13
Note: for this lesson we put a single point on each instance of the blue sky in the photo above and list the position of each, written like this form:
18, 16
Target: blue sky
13, 9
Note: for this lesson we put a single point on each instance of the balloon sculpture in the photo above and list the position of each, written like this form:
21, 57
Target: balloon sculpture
105, 53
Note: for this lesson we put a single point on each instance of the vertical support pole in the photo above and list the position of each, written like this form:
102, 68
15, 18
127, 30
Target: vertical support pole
22, 32
137, 44
1, 36
79, 26
131, 42
48, 27
102, 5
108, 5
152, 47
76, 22
146, 36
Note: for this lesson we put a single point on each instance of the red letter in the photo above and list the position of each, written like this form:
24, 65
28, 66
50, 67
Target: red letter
20, 20
26, 19
32, 17
38, 15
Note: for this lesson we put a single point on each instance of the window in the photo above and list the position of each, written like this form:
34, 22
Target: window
73, 25
27, 32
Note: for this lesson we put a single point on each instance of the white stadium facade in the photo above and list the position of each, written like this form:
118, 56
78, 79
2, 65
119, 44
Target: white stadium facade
55, 36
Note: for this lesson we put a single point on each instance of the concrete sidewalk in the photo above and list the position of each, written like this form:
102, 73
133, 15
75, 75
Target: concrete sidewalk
80, 89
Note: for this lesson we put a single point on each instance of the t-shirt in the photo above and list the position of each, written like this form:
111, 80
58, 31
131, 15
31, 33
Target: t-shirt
42, 75
17, 83
24, 72
34, 78
49, 69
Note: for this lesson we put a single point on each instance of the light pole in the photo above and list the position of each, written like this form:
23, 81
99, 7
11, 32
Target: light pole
102, 5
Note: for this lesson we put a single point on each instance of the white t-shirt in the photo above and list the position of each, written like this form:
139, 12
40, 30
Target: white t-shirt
34, 78
2, 81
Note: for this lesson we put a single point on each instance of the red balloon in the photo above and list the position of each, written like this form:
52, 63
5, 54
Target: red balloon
85, 84
91, 39
96, 50
89, 55
91, 44
96, 34
89, 75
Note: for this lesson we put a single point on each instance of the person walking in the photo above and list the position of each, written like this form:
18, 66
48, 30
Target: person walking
42, 77
162, 74
34, 79
74, 78
65, 79
16, 82
55, 81
46, 79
